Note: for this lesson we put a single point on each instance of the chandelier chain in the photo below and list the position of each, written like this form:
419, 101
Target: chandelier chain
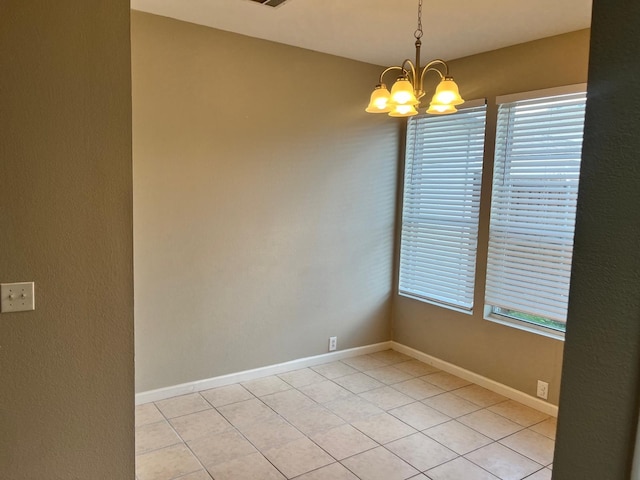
418, 32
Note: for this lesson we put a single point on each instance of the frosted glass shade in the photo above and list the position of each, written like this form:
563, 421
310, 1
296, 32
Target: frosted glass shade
403, 111
439, 109
379, 102
447, 93
402, 93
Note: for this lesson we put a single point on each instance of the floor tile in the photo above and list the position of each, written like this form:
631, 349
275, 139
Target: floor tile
296, 428
389, 375
287, 401
358, 382
155, 435
387, 398
166, 463
451, 405
313, 419
418, 389
266, 385
343, 441
490, 424
298, 457
390, 357
335, 471
323, 392
479, 395
544, 474
384, 428
250, 467
421, 452
459, 469
353, 408
363, 362
459, 438
531, 444
221, 396
547, 428
445, 380
247, 412
201, 475
379, 464
416, 368
334, 370
271, 433
147, 413
419, 416
516, 412
300, 378
196, 425
503, 462
221, 448
183, 405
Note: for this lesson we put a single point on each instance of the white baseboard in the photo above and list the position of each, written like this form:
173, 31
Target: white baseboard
485, 382
246, 375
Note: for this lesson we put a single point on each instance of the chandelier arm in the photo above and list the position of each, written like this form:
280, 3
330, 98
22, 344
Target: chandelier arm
411, 69
429, 67
388, 70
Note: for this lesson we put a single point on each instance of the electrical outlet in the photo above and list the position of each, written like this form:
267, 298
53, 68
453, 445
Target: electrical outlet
543, 389
333, 343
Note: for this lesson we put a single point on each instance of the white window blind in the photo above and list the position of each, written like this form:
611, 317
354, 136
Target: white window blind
443, 173
535, 186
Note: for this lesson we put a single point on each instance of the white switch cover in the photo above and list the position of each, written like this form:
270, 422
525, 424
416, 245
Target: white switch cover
17, 297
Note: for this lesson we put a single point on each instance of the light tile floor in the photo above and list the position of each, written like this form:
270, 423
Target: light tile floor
382, 416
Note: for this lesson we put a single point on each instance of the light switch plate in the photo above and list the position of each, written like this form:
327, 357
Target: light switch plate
17, 297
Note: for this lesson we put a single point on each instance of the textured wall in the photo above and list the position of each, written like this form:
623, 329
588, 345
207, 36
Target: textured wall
599, 398
264, 203
66, 369
510, 356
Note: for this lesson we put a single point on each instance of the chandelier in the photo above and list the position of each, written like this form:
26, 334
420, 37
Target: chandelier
407, 91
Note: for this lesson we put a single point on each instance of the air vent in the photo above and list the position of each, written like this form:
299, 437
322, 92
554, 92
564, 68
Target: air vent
270, 3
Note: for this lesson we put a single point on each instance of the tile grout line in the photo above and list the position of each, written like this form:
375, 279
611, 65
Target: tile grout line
184, 441
285, 420
349, 423
475, 430
346, 423
316, 444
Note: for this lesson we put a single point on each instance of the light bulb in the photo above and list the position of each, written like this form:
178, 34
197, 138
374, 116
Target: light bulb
381, 103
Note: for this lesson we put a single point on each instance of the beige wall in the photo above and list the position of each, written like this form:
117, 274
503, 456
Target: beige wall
66, 369
264, 203
507, 355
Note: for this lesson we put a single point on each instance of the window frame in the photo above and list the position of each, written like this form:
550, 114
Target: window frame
489, 312
475, 104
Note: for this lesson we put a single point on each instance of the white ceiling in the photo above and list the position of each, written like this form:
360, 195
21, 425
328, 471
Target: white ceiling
381, 31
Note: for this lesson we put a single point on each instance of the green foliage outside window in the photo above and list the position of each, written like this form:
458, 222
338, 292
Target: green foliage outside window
535, 319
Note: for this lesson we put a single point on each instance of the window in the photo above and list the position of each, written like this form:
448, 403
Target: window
535, 186
443, 173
